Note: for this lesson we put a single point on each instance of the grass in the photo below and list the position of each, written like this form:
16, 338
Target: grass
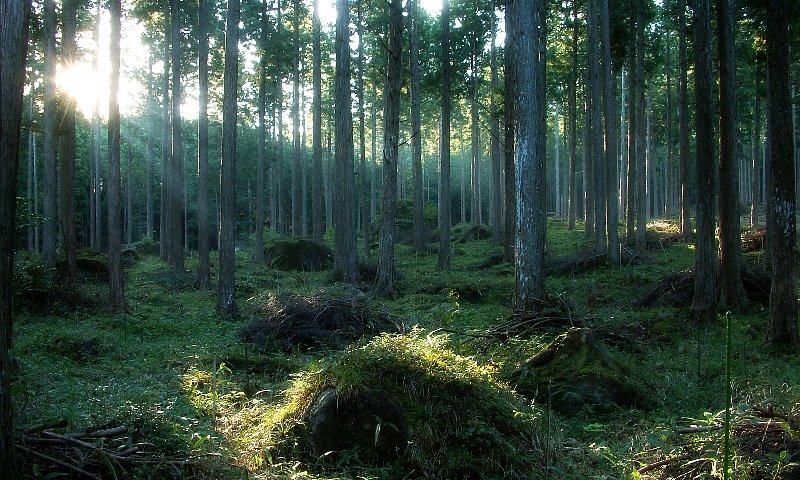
182, 377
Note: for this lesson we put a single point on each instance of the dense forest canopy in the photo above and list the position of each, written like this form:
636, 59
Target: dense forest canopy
598, 180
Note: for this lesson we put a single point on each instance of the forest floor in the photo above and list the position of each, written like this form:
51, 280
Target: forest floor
216, 407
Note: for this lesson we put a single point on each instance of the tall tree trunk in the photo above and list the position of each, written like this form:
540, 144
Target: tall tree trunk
730, 277
704, 302
117, 293
573, 122
98, 204
226, 294
755, 180
420, 242
530, 154
166, 149
346, 255
129, 199
782, 325
258, 247
611, 127
29, 191
670, 167
150, 134
373, 166
203, 266
66, 191
175, 196
13, 42
683, 124
317, 199
384, 285
362, 147
49, 124
496, 211
595, 146
297, 221
475, 207
444, 169
509, 134
641, 131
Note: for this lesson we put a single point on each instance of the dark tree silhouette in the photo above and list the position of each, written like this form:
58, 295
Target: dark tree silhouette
444, 169
226, 295
117, 293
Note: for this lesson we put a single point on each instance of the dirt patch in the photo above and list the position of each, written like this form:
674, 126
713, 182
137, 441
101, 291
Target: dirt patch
300, 255
331, 319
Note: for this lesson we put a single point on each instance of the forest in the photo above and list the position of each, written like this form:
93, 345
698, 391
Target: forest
388, 239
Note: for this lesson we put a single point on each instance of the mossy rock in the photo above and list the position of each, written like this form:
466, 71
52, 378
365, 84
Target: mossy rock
78, 348
577, 371
129, 257
464, 232
300, 255
92, 263
146, 246
375, 425
444, 416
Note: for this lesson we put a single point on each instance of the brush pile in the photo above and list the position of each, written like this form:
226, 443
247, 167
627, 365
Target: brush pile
328, 318
765, 444
101, 451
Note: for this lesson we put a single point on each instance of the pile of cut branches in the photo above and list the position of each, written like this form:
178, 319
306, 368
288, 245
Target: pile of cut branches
328, 318
553, 312
754, 239
100, 451
765, 444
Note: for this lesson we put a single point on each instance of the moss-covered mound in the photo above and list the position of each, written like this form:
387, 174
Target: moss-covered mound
329, 318
465, 232
300, 254
576, 371
459, 422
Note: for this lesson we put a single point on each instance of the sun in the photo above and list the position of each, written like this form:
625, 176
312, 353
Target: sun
81, 82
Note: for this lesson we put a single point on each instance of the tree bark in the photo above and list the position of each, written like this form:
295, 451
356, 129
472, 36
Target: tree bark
203, 266
117, 293
731, 292
704, 302
166, 148
384, 285
782, 325
641, 131
150, 135
475, 197
509, 107
597, 154
345, 252
444, 169
362, 147
611, 127
14, 15
98, 205
66, 169
317, 199
573, 122
496, 214
683, 124
258, 247
297, 192
530, 154
175, 197
755, 180
420, 242
49, 124
226, 294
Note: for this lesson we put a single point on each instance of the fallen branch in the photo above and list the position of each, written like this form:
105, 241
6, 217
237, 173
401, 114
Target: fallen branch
709, 428
57, 462
665, 462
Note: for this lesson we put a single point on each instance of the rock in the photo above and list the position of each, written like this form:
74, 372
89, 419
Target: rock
576, 371
369, 422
